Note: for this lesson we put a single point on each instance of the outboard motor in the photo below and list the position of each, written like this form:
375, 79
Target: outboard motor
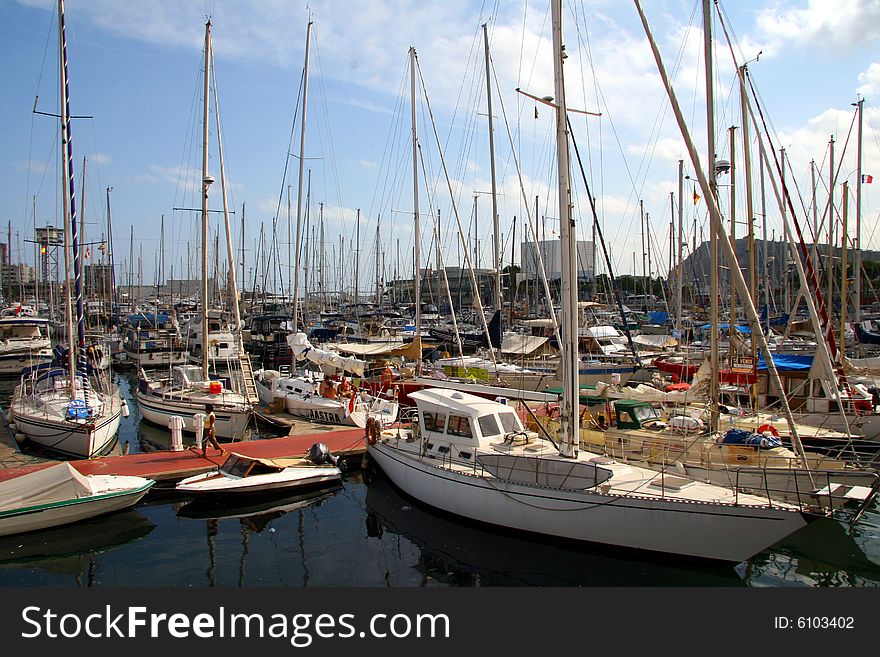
320, 455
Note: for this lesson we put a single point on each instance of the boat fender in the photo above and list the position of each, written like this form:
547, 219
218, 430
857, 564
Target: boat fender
20, 438
768, 428
125, 411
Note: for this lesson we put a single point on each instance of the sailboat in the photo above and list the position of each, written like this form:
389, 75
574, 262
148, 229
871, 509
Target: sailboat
68, 406
473, 458
189, 388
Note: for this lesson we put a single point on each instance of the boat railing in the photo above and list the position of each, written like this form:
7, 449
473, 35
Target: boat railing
837, 494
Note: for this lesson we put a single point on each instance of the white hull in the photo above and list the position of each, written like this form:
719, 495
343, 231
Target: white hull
157, 359
64, 513
231, 418
707, 530
214, 484
51, 431
14, 363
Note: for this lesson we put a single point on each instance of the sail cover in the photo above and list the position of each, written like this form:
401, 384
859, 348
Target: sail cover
303, 350
56, 483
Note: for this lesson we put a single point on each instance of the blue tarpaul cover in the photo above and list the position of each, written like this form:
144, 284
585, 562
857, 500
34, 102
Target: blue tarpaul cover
147, 320
658, 317
743, 437
788, 362
726, 326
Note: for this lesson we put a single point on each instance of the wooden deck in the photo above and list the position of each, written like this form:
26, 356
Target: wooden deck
167, 466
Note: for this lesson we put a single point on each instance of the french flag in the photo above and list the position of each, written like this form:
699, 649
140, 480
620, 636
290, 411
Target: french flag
867, 178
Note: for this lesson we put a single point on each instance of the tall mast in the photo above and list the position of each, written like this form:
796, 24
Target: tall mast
713, 233
229, 252
680, 277
302, 146
717, 223
857, 264
69, 204
570, 418
417, 282
735, 263
496, 249
206, 183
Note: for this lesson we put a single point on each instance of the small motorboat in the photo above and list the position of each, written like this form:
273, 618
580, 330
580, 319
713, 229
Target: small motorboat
59, 495
247, 475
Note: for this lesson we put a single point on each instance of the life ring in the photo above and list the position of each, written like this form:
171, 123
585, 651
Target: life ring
372, 430
768, 428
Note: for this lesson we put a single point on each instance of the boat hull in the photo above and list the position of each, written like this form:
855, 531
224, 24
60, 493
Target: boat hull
720, 532
73, 439
64, 513
230, 424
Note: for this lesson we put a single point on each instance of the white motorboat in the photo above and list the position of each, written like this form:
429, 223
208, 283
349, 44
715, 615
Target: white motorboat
246, 475
59, 495
24, 342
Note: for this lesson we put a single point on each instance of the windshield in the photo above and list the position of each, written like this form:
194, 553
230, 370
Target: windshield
510, 422
643, 413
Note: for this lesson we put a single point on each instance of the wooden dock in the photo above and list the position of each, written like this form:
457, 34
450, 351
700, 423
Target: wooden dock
169, 466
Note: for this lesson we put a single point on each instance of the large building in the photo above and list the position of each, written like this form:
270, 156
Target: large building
549, 251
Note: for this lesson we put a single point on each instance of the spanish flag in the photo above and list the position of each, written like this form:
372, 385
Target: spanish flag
696, 196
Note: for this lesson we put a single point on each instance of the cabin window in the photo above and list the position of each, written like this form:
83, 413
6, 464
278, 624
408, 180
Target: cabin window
443, 449
488, 425
434, 421
459, 426
625, 417
465, 455
509, 422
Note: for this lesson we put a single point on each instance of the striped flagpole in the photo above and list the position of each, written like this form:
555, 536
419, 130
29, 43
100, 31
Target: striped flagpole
80, 322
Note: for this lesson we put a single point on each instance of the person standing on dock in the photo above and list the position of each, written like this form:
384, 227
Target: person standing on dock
210, 432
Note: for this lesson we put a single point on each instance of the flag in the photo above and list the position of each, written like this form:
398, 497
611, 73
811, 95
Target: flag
867, 178
696, 196
101, 247
88, 253
43, 250
18, 310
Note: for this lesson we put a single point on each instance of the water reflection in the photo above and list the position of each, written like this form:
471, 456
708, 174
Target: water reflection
457, 553
254, 517
73, 550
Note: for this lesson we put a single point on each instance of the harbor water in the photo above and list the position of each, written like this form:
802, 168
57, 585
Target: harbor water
368, 534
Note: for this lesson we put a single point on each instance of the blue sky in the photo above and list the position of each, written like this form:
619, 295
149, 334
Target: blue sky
135, 67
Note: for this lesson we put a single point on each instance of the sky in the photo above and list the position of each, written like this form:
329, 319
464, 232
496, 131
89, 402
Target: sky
136, 72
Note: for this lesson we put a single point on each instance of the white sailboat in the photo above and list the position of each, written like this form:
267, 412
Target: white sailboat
471, 457
67, 406
189, 388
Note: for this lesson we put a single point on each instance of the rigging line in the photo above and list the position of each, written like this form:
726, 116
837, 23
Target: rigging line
475, 287
604, 249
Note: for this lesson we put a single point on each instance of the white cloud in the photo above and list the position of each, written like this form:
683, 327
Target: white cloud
837, 24
870, 79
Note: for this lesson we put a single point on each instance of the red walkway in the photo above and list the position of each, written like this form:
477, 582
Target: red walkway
177, 465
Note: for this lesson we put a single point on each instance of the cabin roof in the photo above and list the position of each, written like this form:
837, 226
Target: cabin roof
460, 403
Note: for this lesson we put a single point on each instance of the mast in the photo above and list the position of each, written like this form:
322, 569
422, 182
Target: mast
302, 146
735, 263
717, 223
69, 205
229, 252
713, 232
857, 264
417, 282
570, 361
680, 277
843, 263
114, 301
206, 183
496, 249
